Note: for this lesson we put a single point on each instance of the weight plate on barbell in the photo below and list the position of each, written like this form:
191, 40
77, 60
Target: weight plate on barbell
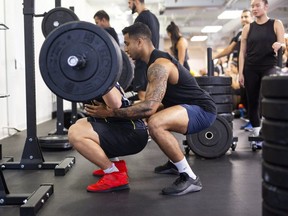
79, 61
212, 142
127, 71
56, 17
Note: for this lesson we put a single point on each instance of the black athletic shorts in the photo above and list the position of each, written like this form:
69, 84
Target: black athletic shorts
120, 137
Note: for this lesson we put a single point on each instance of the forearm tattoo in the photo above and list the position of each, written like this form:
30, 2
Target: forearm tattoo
157, 83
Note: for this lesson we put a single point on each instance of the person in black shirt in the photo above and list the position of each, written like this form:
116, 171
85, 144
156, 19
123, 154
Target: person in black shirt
260, 42
100, 139
174, 102
102, 19
147, 17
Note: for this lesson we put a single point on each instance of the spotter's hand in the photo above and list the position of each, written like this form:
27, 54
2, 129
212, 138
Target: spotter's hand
98, 110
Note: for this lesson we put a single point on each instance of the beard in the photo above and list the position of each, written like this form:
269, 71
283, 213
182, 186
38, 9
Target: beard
133, 8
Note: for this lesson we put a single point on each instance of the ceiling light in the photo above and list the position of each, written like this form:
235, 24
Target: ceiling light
230, 14
211, 29
199, 38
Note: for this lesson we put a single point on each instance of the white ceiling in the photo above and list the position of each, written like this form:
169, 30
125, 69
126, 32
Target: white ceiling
190, 15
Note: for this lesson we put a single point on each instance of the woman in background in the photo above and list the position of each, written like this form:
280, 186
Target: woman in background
179, 44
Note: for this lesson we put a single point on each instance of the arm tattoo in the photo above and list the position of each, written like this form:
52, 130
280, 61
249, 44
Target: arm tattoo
157, 83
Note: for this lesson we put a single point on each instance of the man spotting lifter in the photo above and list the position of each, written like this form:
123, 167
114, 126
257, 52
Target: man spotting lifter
186, 109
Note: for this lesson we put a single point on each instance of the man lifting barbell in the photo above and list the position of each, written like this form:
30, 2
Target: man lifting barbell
186, 108
99, 139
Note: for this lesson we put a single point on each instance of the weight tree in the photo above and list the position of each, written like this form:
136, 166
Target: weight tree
32, 157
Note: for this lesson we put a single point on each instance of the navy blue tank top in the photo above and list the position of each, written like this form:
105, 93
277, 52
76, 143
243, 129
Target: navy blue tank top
187, 90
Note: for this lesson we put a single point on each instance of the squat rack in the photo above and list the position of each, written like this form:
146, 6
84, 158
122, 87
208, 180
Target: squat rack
32, 158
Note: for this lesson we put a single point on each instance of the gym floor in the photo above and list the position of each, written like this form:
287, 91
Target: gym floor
231, 183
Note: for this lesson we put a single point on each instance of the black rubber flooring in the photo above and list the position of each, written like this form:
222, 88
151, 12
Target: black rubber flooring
231, 184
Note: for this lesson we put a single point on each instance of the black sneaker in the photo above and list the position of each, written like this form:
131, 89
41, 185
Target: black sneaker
183, 185
167, 168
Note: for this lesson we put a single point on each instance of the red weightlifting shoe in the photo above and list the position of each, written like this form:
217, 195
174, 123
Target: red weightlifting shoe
110, 182
121, 166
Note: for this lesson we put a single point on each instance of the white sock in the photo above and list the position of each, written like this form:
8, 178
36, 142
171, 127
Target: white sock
114, 159
256, 131
111, 169
183, 166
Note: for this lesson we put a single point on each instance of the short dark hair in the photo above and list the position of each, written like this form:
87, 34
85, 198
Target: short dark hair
246, 10
101, 14
138, 30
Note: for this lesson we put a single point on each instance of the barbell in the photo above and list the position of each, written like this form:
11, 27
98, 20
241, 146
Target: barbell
79, 61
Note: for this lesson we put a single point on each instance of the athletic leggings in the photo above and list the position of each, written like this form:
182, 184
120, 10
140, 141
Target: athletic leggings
252, 82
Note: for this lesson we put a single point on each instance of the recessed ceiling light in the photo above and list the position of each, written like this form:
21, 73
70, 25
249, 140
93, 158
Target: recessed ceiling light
199, 38
230, 14
211, 29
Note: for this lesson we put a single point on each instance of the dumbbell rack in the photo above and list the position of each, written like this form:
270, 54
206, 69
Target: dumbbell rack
32, 158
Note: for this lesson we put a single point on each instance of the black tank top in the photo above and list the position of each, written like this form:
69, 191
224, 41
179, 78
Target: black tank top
187, 90
260, 53
175, 51
148, 18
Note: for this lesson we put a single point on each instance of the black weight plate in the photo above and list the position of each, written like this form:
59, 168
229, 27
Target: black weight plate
214, 81
215, 90
275, 109
223, 99
269, 211
274, 196
275, 175
57, 17
53, 139
127, 71
274, 86
102, 55
212, 142
224, 108
275, 154
228, 116
68, 117
275, 131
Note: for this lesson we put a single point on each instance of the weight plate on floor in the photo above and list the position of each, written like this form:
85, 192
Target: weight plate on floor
223, 99
269, 211
274, 86
212, 142
228, 116
56, 17
215, 90
224, 108
275, 154
79, 61
127, 72
276, 197
275, 131
275, 175
275, 109
214, 81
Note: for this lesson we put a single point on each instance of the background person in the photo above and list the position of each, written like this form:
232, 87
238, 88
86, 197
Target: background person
102, 19
260, 42
147, 17
179, 44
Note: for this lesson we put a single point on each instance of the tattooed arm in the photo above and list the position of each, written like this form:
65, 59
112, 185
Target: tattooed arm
157, 82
